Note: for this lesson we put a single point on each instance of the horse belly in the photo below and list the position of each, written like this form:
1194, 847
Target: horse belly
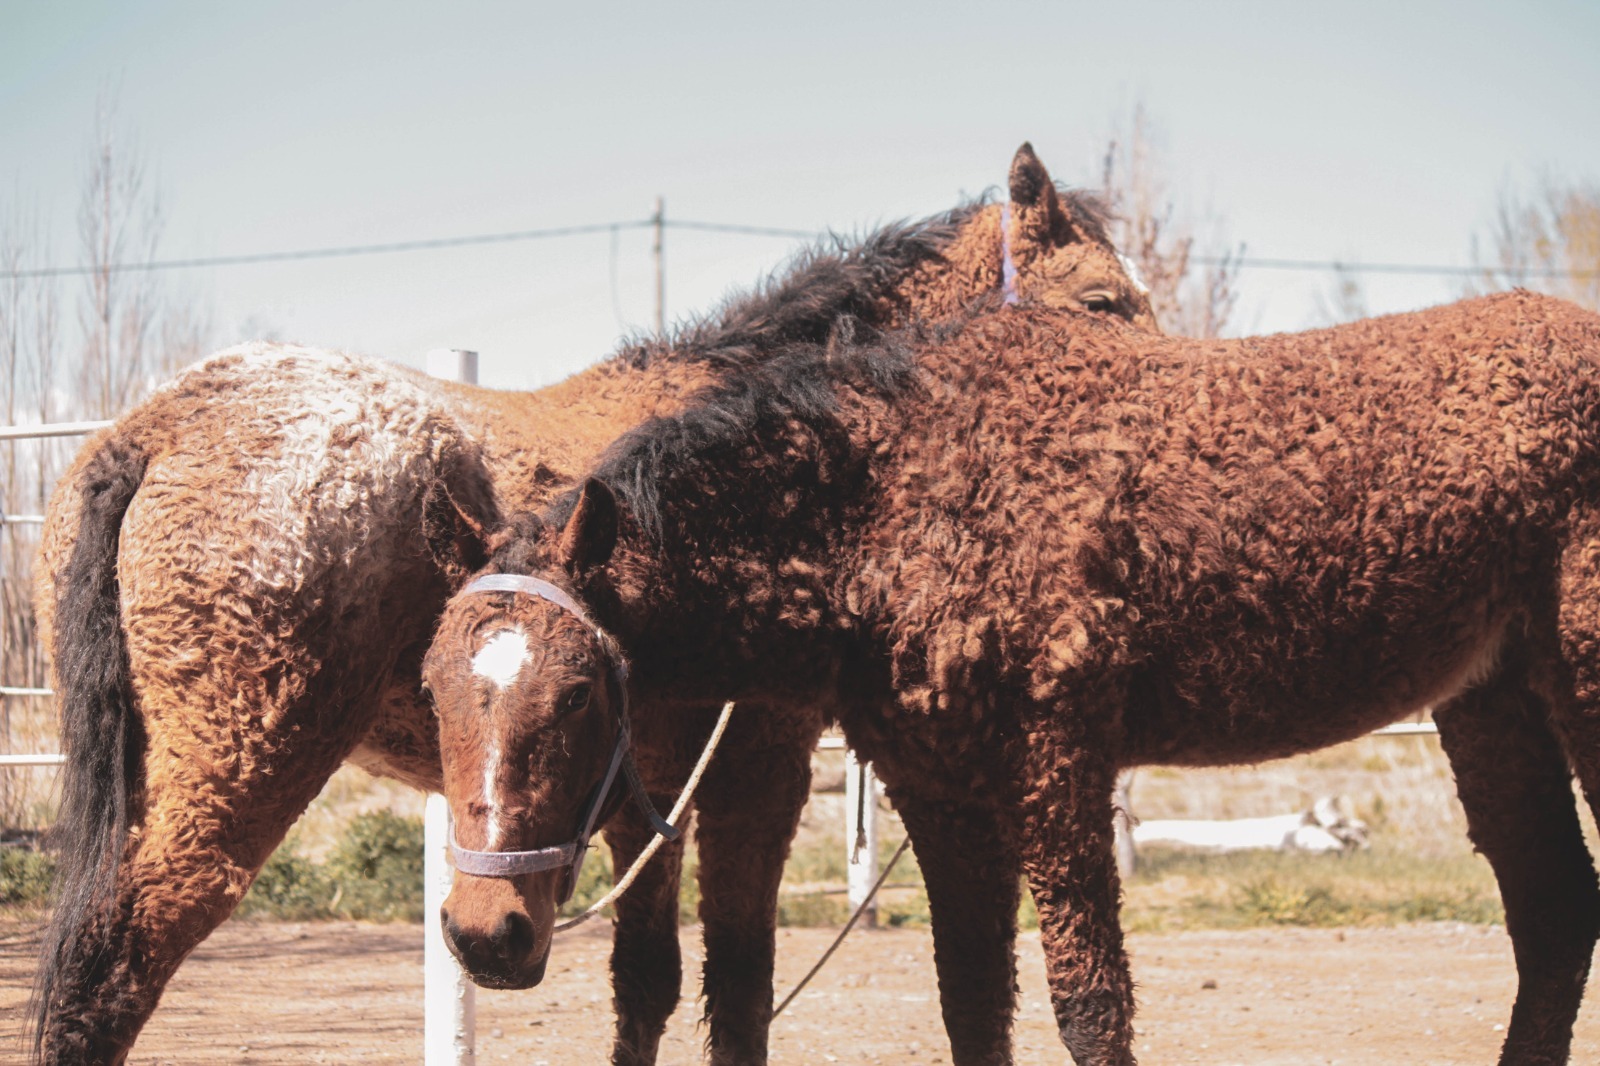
1301, 707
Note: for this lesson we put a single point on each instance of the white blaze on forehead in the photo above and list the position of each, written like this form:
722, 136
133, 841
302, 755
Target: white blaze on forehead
502, 657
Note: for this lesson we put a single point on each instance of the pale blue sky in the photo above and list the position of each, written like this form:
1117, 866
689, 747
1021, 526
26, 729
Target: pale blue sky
1365, 131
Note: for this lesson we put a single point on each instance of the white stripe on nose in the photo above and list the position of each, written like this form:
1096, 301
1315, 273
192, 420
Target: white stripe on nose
491, 797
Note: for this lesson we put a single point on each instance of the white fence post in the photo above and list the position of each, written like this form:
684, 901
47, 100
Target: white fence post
860, 833
449, 1020
453, 364
449, 1017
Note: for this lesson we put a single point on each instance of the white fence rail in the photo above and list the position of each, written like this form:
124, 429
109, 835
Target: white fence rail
52, 429
43, 430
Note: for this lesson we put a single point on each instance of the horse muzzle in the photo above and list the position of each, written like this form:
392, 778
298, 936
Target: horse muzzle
500, 947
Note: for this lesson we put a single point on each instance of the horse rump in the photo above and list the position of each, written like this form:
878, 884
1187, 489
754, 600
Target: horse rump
101, 735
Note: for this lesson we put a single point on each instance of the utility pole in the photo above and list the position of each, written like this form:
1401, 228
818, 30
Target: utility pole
659, 221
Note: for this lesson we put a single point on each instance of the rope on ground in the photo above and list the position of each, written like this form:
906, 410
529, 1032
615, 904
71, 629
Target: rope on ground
826, 955
655, 842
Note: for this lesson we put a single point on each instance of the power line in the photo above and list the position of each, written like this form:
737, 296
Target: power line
512, 236
332, 253
748, 231
1258, 263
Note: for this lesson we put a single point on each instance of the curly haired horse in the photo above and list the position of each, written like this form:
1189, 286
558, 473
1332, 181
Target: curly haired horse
237, 590
1024, 552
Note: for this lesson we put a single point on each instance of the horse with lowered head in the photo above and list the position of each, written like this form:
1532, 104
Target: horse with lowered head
1027, 551
237, 591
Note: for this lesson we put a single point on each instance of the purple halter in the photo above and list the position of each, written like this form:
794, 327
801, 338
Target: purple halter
571, 854
1008, 265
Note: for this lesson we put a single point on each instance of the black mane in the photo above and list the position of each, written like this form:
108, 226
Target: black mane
1089, 211
800, 303
799, 340
793, 397
836, 278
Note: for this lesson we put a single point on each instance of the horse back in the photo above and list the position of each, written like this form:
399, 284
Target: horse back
1280, 541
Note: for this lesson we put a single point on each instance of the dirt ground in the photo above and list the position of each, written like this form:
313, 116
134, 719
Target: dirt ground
351, 993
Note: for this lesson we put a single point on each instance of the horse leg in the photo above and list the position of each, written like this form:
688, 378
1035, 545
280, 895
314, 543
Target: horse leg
1065, 837
974, 882
212, 815
646, 967
749, 807
1515, 785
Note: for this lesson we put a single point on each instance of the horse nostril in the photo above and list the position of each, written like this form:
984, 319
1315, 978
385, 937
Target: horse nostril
514, 936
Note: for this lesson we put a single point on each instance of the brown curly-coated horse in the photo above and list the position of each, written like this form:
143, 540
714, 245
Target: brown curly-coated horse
1022, 553
237, 589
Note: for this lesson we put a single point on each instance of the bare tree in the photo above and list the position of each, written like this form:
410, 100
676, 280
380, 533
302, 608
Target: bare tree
1345, 299
131, 334
1547, 240
132, 337
29, 347
1193, 286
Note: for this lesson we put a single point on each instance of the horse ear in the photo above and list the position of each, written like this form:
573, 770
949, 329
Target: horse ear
457, 533
458, 513
590, 535
1029, 178
1033, 194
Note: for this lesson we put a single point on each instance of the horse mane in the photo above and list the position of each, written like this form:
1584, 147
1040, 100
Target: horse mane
1090, 211
799, 338
795, 395
835, 277
799, 302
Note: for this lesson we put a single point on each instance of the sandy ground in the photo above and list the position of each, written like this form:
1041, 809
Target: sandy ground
351, 993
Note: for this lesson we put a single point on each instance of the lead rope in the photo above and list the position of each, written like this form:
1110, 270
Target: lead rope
656, 841
861, 814
672, 819
826, 955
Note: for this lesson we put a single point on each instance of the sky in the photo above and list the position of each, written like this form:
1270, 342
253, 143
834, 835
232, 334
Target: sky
1362, 132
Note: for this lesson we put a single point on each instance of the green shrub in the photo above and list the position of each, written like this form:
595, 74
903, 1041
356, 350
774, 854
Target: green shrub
689, 888
1270, 901
290, 888
812, 908
376, 869
594, 881
374, 873
912, 913
25, 877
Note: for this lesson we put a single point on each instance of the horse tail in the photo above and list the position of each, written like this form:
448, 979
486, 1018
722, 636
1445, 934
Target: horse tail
101, 735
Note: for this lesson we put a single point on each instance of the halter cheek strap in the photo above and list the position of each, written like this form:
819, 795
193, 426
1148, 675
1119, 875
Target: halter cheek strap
1008, 265
571, 854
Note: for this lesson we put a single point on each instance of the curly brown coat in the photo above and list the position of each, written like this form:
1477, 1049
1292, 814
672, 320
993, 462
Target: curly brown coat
236, 586
1026, 552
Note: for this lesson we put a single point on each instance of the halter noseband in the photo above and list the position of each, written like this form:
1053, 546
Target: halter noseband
571, 854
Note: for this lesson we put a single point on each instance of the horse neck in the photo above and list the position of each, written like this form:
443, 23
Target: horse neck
943, 288
737, 584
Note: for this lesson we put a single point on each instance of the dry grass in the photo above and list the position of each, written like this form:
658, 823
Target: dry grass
1420, 865
27, 727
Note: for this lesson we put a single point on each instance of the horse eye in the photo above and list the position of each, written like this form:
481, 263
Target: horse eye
579, 698
1098, 300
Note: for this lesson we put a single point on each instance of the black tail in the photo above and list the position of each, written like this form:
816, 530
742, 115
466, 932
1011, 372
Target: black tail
101, 735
